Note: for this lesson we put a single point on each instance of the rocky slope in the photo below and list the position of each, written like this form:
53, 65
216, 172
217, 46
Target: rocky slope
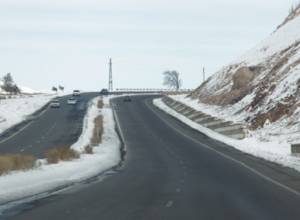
264, 84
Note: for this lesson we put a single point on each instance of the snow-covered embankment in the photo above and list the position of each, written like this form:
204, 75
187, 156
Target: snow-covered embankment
15, 110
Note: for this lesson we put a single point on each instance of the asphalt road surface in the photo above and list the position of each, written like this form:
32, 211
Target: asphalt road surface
172, 172
54, 127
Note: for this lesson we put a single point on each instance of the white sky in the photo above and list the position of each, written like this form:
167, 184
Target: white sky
50, 42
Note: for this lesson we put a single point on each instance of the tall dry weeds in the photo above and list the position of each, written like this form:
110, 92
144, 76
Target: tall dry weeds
98, 131
16, 162
55, 155
100, 104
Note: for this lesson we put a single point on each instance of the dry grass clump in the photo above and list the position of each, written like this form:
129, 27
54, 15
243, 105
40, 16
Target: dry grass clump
98, 131
16, 162
100, 104
88, 150
275, 113
55, 155
293, 13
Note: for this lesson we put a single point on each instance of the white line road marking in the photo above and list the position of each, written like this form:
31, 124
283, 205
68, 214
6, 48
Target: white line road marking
13, 135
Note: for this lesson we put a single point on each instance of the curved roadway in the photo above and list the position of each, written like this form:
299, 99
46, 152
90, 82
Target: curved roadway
52, 128
172, 172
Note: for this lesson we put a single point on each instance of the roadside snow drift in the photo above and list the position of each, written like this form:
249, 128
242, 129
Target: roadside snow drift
15, 110
19, 185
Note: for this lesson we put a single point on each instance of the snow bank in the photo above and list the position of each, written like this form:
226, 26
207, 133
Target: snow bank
15, 110
27, 90
33, 183
275, 151
282, 131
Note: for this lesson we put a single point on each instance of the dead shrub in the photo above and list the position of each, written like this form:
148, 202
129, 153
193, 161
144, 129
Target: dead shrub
88, 150
293, 13
16, 162
275, 113
61, 154
100, 104
98, 131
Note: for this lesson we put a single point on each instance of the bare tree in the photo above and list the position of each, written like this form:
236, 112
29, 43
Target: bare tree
54, 89
9, 85
172, 80
61, 88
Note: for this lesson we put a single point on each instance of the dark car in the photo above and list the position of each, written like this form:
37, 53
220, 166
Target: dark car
76, 93
104, 92
127, 99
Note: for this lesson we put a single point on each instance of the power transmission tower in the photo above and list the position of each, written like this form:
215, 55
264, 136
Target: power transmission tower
110, 82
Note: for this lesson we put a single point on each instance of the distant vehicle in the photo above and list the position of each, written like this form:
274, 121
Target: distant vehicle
104, 92
72, 101
55, 104
76, 93
127, 99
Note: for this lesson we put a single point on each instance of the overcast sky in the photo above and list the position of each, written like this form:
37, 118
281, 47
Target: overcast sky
69, 42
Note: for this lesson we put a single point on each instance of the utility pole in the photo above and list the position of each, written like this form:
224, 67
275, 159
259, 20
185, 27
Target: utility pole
203, 74
110, 81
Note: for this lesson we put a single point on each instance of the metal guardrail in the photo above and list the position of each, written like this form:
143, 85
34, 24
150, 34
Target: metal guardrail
227, 128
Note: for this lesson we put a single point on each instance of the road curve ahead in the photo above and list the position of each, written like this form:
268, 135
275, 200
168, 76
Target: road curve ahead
59, 127
171, 173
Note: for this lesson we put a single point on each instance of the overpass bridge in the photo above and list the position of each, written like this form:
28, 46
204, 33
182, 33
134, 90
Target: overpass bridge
111, 89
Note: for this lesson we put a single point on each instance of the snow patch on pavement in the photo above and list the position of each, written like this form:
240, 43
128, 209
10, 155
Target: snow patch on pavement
19, 185
277, 151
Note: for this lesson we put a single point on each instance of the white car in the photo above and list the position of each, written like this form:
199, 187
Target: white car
72, 101
76, 93
55, 104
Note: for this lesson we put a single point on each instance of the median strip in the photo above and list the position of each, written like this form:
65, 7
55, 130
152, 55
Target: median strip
17, 162
63, 167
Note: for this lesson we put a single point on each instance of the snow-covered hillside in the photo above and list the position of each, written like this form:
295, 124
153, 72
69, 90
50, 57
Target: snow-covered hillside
15, 110
23, 89
26, 90
263, 85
